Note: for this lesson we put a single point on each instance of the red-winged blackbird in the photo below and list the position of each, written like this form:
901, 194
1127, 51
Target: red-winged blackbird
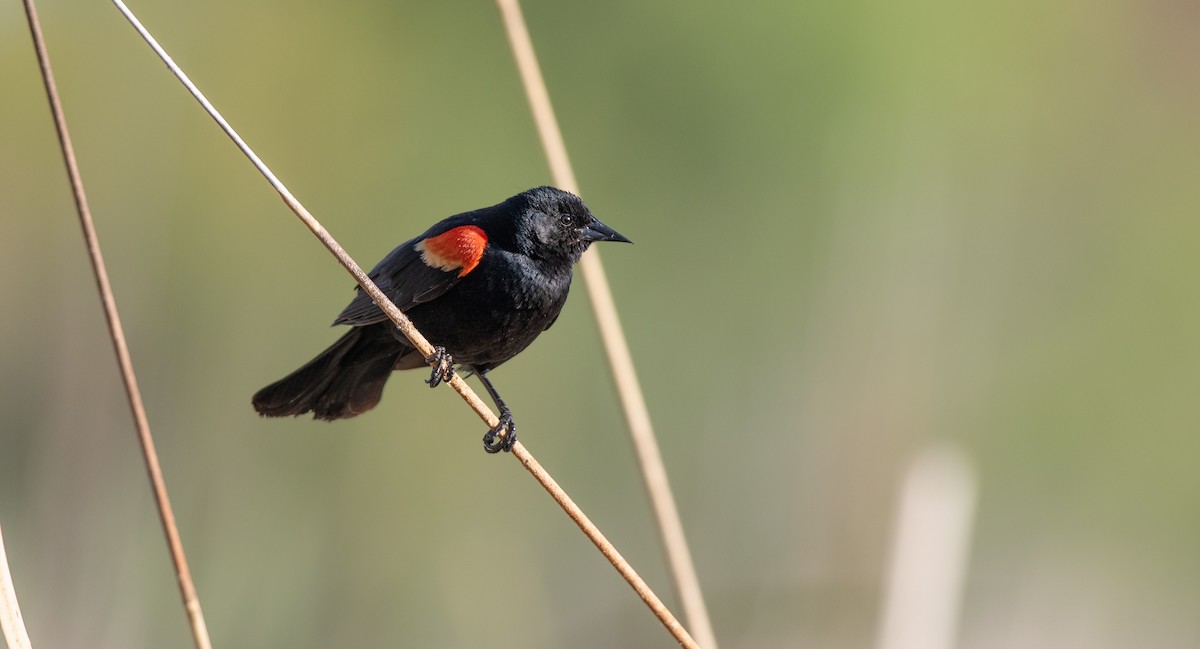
479, 285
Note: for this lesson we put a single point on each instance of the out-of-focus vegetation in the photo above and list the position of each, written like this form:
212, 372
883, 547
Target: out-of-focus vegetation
859, 227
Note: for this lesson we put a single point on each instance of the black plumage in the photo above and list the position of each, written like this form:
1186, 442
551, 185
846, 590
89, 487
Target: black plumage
480, 285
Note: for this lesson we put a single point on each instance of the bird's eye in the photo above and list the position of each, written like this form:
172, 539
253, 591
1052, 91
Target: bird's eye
566, 219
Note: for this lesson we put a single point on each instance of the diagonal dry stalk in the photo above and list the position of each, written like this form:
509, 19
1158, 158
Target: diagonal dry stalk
406, 327
187, 589
620, 359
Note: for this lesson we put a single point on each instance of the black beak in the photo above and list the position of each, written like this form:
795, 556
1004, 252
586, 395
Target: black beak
597, 231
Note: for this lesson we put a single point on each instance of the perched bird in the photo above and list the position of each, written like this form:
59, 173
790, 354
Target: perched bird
479, 285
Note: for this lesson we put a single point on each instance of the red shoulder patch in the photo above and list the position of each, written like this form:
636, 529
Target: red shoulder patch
458, 249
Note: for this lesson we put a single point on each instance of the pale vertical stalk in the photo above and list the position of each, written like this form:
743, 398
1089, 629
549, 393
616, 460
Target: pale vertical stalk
406, 327
620, 360
11, 623
187, 590
929, 553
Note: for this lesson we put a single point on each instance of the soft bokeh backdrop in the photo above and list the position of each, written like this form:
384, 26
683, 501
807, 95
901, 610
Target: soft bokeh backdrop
861, 227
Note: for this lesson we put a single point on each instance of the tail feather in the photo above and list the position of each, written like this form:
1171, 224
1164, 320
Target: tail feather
343, 381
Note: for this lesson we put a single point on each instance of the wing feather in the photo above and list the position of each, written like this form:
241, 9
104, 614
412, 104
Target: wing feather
421, 269
405, 279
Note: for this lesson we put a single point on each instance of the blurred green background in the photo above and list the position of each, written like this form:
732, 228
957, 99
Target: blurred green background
860, 227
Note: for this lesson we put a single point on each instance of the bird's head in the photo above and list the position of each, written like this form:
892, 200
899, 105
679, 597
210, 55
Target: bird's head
554, 224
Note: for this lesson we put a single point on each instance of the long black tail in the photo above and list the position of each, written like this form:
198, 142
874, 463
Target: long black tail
343, 381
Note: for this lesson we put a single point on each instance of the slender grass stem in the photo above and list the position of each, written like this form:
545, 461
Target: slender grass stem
637, 416
187, 589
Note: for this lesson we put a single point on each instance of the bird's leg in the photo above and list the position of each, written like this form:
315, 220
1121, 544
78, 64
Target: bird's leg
443, 367
503, 435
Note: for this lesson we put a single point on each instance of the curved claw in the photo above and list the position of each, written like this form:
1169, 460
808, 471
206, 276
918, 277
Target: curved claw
443, 367
493, 442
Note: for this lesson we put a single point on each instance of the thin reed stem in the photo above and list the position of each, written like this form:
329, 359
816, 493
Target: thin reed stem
620, 359
406, 327
187, 589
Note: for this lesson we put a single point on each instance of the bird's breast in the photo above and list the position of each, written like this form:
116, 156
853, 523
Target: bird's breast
496, 311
